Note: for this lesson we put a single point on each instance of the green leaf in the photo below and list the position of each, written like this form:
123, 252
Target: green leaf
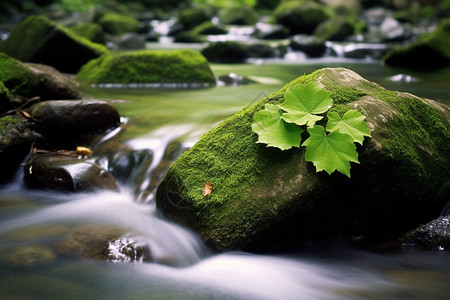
352, 123
303, 102
330, 152
274, 131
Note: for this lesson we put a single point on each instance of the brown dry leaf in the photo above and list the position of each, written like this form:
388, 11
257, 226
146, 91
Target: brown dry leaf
207, 188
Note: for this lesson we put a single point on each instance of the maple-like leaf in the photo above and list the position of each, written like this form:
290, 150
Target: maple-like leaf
274, 131
330, 152
303, 102
352, 123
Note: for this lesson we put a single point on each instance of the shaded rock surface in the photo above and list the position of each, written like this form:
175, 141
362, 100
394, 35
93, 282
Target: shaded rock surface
66, 173
434, 234
68, 121
265, 199
40, 40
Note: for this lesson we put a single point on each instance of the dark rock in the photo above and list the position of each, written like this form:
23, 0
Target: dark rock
226, 52
233, 79
16, 138
191, 17
70, 120
67, 174
189, 37
265, 199
209, 28
92, 31
430, 51
261, 51
435, 234
40, 40
27, 80
270, 31
309, 44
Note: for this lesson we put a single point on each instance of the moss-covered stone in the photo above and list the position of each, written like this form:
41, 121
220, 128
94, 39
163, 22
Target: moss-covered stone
191, 17
178, 66
335, 29
428, 52
118, 24
301, 16
209, 28
40, 40
239, 15
226, 52
264, 198
92, 31
31, 80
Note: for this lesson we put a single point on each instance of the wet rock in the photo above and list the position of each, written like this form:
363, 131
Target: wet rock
67, 174
30, 255
28, 80
430, 51
149, 67
226, 52
189, 37
309, 44
270, 31
40, 40
433, 235
261, 51
301, 16
191, 17
392, 30
16, 138
68, 121
233, 79
209, 28
129, 248
89, 241
264, 199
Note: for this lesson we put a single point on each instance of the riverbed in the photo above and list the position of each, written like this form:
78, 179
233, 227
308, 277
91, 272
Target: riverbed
183, 267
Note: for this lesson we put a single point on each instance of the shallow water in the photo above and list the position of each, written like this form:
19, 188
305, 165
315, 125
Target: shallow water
183, 267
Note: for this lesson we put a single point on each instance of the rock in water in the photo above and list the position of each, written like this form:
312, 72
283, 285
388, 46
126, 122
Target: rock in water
265, 198
40, 40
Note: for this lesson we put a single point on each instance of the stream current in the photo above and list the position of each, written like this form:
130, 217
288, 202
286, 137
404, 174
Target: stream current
182, 267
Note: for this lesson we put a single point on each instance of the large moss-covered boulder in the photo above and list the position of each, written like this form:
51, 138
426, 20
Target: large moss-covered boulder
149, 67
40, 40
92, 31
301, 16
263, 198
430, 51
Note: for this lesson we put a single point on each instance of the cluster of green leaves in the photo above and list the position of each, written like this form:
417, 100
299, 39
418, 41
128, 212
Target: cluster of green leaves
329, 148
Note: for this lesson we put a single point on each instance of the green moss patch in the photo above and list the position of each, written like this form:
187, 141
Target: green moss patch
13, 74
167, 67
118, 24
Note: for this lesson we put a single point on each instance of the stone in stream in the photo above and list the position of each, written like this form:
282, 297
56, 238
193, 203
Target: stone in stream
40, 40
265, 199
147, 67
66, 122
429, 51
66, 173
433, 235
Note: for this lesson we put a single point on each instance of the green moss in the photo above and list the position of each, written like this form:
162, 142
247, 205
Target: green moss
178, 66
118, 24
7, 121
30, 35
92, 31
14, 74
432, 50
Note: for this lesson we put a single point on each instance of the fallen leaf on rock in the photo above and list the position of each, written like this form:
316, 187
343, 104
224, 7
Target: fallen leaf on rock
207, 188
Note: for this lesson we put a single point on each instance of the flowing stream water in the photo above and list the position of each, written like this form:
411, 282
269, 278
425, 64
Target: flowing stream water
166, 122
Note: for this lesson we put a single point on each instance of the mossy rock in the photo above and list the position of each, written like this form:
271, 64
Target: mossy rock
165, 67
226, 52
301, 16
335, 29
40, 40
192, 17
239, 15
430, 51
118, 24
264, 198
209, 28
31, 80
92, 31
